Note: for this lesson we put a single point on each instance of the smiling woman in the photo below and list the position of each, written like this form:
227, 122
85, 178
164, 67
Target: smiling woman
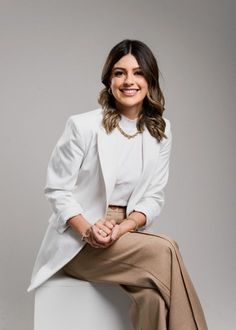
128, 86
105, 182
131, 79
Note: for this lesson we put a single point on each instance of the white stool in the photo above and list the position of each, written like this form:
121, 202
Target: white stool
65, 303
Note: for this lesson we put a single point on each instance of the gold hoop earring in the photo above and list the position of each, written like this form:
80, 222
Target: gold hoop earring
109, 91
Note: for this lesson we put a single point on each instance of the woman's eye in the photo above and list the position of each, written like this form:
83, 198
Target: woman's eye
118, 73
139, 73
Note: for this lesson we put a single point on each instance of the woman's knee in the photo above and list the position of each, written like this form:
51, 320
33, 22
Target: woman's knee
170, 241
163, 245
154, 246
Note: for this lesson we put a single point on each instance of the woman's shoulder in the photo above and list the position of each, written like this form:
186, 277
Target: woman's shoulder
93, 117
87, 122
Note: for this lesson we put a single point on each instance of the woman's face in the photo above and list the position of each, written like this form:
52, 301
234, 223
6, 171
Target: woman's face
128, 85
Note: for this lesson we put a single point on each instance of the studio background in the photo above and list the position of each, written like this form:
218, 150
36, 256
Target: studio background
51, 54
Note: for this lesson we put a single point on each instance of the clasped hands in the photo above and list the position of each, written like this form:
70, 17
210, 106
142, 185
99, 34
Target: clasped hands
103, 233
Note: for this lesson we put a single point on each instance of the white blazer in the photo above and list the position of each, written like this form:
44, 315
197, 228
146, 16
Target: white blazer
80, 179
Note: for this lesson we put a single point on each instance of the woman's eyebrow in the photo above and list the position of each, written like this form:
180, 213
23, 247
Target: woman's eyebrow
120, 68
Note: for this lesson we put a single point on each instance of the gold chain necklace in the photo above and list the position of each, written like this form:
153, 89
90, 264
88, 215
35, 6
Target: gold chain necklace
128, 136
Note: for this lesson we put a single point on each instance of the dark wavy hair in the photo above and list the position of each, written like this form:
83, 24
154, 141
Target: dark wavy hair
154, 102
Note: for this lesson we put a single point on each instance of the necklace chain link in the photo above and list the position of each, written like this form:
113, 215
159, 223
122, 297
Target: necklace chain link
128, 136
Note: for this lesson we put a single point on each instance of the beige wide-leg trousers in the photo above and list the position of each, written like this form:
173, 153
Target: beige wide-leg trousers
150, 269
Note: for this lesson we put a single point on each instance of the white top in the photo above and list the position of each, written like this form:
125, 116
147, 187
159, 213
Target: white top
130, 162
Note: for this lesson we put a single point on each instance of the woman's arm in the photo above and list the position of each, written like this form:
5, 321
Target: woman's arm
133, 222
62, 173
152, 201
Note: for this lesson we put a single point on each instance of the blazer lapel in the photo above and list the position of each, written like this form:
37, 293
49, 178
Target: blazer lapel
151, 149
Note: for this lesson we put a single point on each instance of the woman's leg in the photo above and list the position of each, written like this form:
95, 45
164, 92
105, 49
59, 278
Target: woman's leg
148, 310
150, 269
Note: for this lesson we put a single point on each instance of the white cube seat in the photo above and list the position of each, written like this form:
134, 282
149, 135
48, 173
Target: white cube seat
65, 303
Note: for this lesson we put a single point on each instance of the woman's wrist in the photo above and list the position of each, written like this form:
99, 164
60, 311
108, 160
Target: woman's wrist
138, 217
135, 223
128, 225
80, 225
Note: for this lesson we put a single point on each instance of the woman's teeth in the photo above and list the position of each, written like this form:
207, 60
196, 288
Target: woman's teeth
129, 92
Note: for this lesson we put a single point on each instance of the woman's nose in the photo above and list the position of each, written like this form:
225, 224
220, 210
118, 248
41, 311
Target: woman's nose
129, 79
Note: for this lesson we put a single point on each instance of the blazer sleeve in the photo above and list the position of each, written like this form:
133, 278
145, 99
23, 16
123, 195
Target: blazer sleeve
152, 201
62, 173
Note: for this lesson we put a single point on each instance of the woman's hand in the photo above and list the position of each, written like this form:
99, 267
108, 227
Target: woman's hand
116, 233
100, 233
105, 232
104, 227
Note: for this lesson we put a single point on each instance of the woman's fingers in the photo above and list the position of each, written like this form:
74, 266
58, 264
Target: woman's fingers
103, 230
105, 226
113, 222
115, 233
109, 223
99, 237
103, 233
91, 241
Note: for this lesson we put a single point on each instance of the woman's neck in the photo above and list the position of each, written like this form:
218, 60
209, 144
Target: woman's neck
131, 112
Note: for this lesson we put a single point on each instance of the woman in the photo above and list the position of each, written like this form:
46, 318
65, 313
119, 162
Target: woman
105, 183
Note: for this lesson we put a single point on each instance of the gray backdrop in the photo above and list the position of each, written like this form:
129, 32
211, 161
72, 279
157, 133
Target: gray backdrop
52, 52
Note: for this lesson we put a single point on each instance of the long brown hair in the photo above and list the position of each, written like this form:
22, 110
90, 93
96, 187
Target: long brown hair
154, 102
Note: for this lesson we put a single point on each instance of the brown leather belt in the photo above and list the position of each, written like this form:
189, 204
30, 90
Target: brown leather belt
116, 207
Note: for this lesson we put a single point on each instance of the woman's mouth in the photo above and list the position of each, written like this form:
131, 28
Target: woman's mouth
129, 91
